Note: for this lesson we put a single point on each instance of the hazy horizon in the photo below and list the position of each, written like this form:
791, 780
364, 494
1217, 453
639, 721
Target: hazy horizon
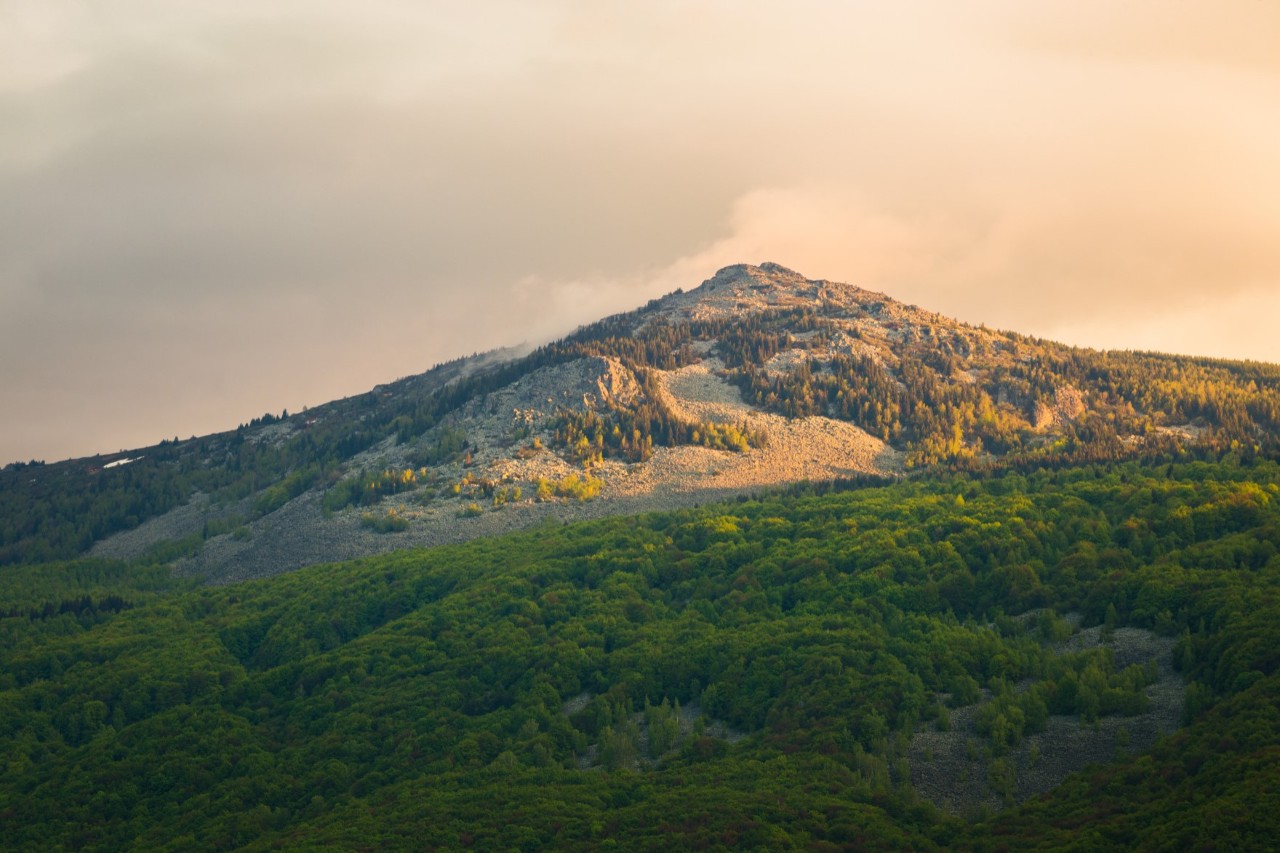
213, 212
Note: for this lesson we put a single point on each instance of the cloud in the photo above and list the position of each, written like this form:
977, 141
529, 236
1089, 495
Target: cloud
1082, 267
209, 210
1237, 326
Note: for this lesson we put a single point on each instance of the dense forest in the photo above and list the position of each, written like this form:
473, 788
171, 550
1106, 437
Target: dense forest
742, 675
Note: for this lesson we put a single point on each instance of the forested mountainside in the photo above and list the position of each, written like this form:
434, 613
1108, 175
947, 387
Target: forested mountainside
754, 674
1031, 600
731, 387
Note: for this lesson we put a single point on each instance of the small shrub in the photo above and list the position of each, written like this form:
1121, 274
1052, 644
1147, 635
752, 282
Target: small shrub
581, 488
392, 522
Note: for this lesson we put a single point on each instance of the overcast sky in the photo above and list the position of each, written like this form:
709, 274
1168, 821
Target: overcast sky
210, 210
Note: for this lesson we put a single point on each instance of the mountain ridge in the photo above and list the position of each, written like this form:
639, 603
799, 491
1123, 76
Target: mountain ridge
757, 378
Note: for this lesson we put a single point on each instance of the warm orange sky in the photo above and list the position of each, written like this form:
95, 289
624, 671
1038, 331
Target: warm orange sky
212, 210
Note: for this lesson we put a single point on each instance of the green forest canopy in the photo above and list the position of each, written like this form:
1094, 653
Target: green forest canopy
419, 699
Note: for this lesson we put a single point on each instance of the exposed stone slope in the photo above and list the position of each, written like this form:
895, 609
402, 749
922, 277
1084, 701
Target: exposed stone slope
801, 449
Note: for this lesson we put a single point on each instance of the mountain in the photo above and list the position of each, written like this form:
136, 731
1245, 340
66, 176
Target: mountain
758, 378
1034, 602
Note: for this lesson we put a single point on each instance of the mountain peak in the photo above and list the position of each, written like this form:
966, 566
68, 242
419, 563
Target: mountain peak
747, 288
743, 288
768, 273
765, 270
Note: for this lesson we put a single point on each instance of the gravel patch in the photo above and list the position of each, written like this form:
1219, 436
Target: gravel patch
951, 770
179, 522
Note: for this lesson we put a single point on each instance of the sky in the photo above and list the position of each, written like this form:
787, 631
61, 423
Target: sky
212, 210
